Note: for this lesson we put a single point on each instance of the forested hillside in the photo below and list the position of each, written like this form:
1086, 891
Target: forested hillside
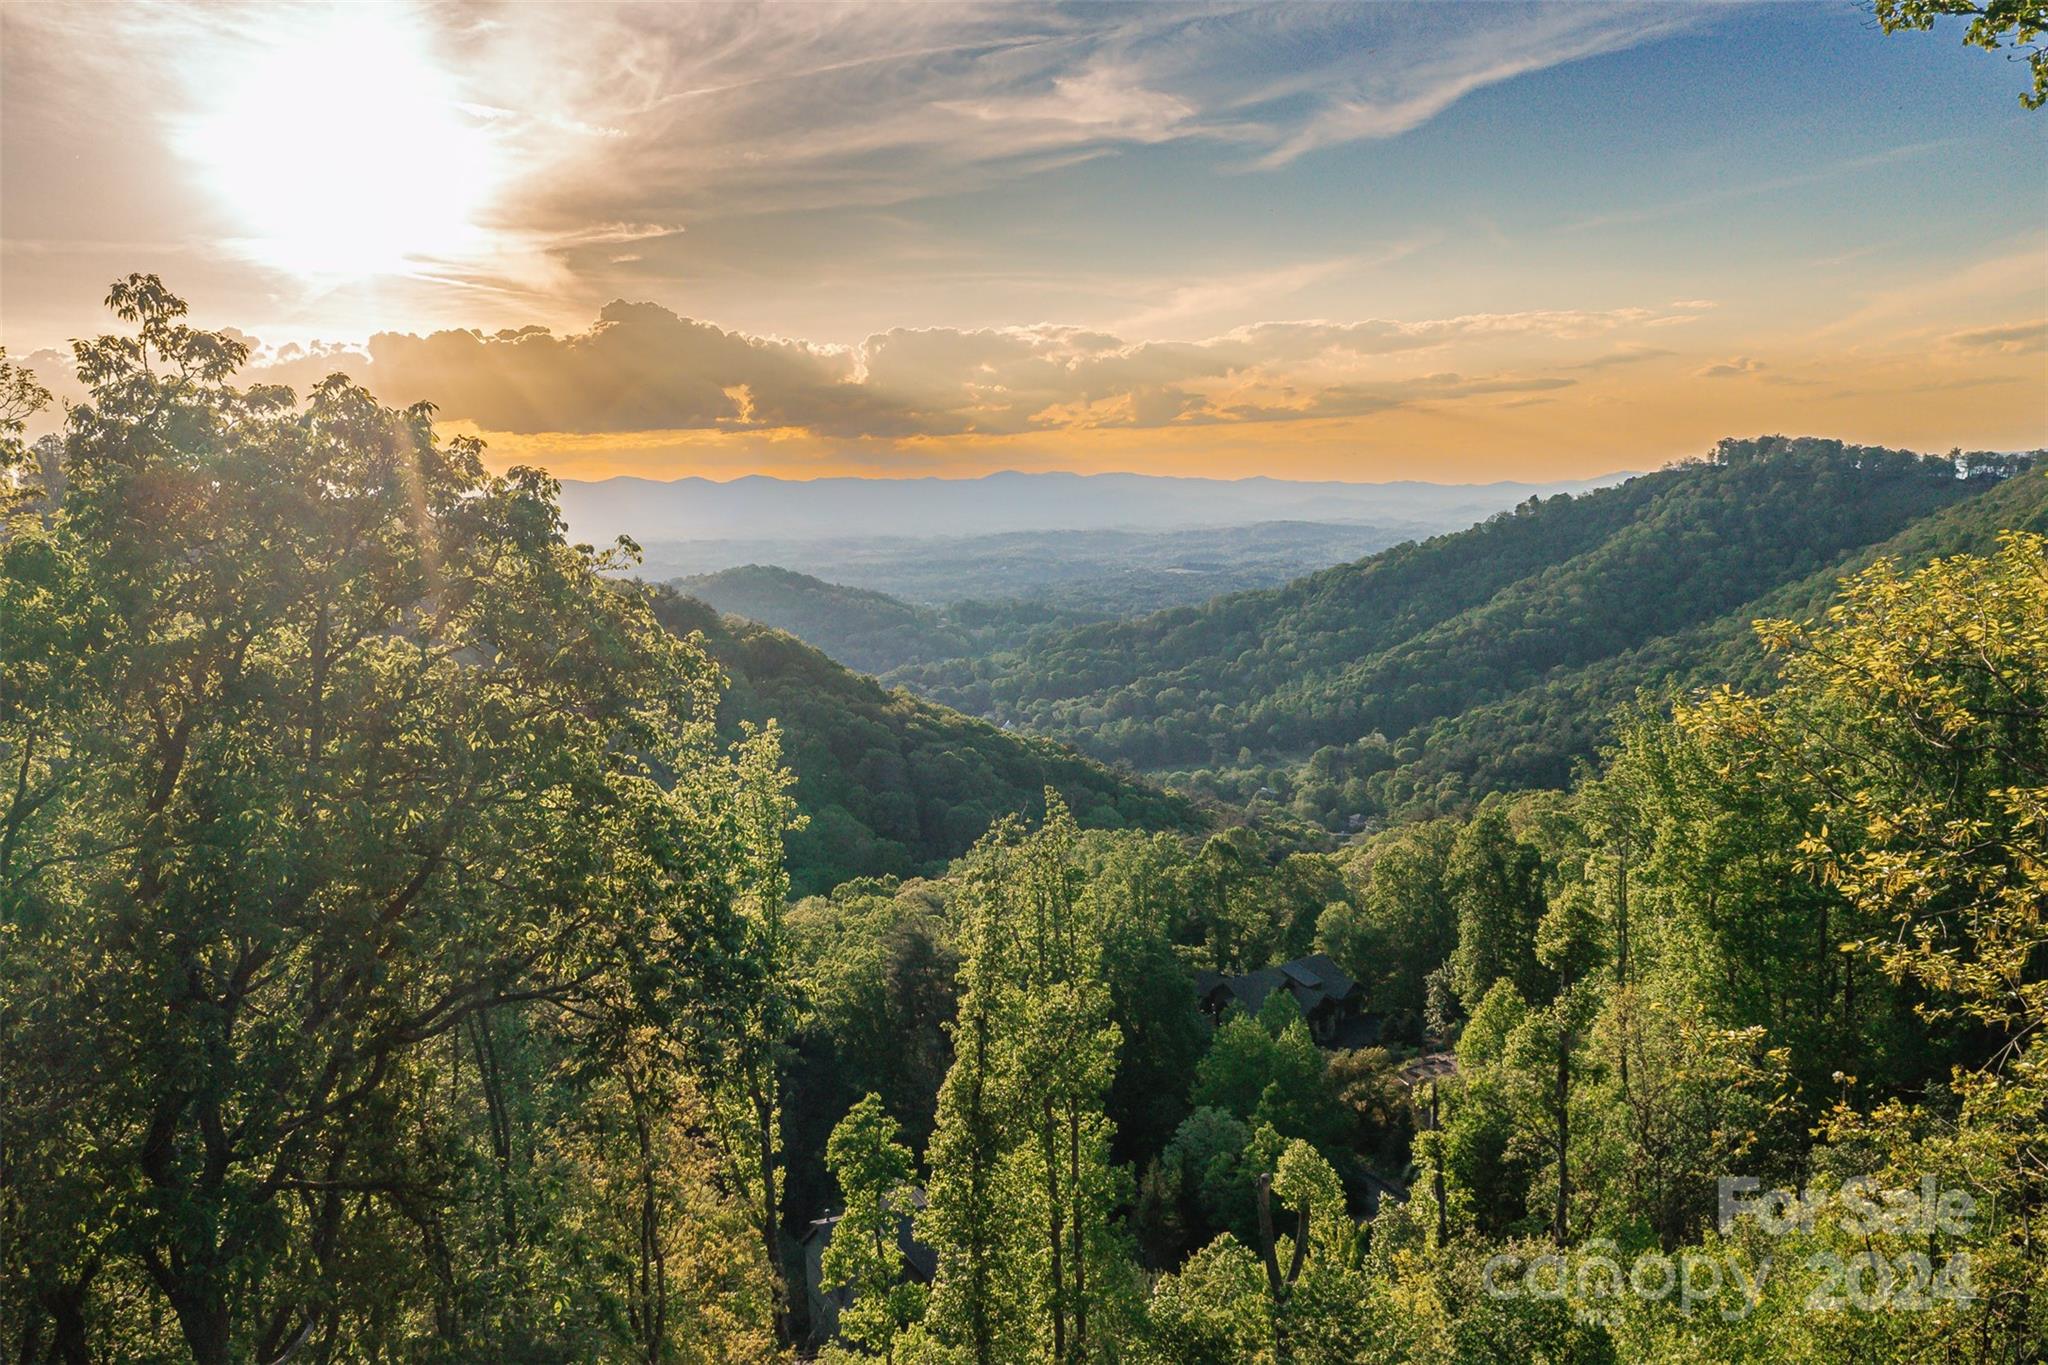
1768, 943
861, 628
1367, 659
891, 784
1533, 738
873, 631
398, 958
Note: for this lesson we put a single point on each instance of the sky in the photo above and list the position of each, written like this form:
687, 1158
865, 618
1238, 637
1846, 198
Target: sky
1456, 241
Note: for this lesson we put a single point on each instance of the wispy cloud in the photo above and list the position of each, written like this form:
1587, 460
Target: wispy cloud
1752, 189
1626, 355
1986, 283
639, 113
1388, 93
1732, 369
2020, 338
1210, 297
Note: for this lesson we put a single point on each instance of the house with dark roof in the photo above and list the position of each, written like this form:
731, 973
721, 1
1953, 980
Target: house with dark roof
1428, 1068
1331, 1002
825, 1302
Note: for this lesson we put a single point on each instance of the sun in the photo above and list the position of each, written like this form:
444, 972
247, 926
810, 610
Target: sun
338, 148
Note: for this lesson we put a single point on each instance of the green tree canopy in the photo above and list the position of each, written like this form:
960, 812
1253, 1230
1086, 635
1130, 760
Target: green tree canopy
328, 760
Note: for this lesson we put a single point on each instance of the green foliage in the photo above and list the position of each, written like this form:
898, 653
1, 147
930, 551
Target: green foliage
1134, 884
1484, 1040
21, 397
1232, 1076
890, 785
369, 871
1496, 885
873, 1172
397, 958
1485, 660
1227, 1304
2011, 26
1023, 1145
1912, 725
1213, 1310
1278, 1080
1204, 1183
1379, 1116
1400, 924
1246, 912
877, 964
863, 629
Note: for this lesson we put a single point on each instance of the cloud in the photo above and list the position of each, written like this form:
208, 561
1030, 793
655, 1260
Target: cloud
1357, 400
1626, 355
1750, 189
641, 367
1400, 86
1732, 369
1223, 294
2020, 338
1966, 289
661, 114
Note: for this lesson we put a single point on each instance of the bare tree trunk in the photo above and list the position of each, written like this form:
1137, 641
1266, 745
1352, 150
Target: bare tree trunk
1436, 1175
764, 1138
653, 1280
1049, 1143
1080, 1260
1559, 1227
1278, 1285
66, 1310
1621, 963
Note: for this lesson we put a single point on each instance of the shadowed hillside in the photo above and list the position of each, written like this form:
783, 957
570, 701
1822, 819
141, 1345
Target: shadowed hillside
894, 785
861, 628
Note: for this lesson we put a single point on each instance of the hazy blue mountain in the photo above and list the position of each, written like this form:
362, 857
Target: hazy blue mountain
760, 507
1084, 575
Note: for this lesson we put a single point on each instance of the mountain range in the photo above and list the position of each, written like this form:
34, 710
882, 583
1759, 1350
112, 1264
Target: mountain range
762, 507
1093, 574
1350, 685
1419, 677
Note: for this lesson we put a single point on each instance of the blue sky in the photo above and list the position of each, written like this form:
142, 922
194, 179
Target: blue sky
1446, 240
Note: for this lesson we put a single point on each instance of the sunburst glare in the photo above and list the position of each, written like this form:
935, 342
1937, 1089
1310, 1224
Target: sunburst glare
340, 148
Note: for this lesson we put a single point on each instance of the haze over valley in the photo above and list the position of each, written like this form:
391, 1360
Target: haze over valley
994, 684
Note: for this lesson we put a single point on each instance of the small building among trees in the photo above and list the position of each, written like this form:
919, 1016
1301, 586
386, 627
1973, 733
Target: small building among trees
1330, 1001
920, 1264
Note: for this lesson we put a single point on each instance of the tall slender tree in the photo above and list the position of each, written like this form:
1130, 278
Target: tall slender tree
1037, 1060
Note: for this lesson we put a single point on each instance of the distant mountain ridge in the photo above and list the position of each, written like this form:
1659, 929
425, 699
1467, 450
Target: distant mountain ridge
1490, 657
1069, 576
762, 506
1407, 681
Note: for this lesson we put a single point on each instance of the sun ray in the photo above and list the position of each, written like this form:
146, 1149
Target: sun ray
341, 148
